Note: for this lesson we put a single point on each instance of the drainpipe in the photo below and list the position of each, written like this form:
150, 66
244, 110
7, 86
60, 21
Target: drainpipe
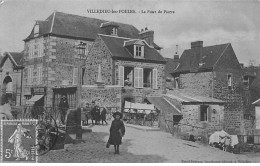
21, 87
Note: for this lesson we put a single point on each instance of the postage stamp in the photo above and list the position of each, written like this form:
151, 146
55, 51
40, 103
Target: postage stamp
18, 140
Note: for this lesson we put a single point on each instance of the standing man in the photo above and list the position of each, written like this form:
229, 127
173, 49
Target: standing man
63, 106
93, 112
104, 115
97, 110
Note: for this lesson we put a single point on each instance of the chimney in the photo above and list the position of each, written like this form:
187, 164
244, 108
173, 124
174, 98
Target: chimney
147, 35
197, 44
176, 56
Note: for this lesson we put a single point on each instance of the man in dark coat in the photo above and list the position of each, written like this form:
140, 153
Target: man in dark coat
93, 112
97, 114
63, 106
117, 131
104, 115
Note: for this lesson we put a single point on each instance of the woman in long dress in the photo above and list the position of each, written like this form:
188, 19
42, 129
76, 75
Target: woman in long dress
16, 139
117, 131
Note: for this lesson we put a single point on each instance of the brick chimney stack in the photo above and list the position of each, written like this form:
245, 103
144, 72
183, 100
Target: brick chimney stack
147, 35
197, 44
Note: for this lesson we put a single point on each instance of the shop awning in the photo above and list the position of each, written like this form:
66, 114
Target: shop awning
34, 99
164, 105
140, 107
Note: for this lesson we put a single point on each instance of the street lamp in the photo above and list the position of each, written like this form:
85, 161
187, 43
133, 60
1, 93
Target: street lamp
81, 50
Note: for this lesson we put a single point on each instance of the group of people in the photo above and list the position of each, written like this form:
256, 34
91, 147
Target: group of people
94, 113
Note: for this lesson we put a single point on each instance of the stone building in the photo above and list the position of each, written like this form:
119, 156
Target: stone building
54, 50
214, 71
11, 69
131, 70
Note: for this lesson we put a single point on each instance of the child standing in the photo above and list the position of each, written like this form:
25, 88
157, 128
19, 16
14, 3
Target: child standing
117, 131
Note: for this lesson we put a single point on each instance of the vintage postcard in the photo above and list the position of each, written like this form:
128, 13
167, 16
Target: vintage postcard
140, 81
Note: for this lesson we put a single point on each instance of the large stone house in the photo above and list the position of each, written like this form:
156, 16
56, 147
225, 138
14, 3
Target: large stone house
11, 69
54, 50
214, 71
131, 70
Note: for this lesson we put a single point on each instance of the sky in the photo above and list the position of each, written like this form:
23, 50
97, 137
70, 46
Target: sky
213, 22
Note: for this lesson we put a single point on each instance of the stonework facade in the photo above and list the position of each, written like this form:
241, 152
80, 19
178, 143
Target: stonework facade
13, 88
58, 62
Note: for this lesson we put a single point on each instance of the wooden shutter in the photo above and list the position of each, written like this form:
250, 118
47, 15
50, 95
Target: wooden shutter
141, 75
209, 113
75, 76
199, 113
121, 75
136, 78
131, 76
39, 75
155, 86
142, 51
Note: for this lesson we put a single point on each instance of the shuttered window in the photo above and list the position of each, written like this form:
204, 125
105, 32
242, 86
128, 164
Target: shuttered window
138, 77
121, 75
155, 81
75, 76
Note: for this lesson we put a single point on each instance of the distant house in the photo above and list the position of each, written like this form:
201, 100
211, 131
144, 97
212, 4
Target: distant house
214, 71
131, 70
171, 65
54, 50
11, 68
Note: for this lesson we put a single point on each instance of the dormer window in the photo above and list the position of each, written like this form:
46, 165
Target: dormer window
138, 51
36, 30
114, 31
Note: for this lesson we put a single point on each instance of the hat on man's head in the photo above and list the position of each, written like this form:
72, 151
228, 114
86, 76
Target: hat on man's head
118, 113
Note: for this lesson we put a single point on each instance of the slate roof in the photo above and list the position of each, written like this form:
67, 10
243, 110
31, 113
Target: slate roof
170, 66
69, 25
256, 103
206, 56
164, 105
187, 98
15, 57
116, 47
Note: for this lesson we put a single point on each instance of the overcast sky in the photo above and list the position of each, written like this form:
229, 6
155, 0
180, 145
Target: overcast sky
215, 22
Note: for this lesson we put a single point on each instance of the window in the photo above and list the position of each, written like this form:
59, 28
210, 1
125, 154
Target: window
138, 51
203, 113
138, 77
36, 30
114, 31
147, 78
75, 76
176, 82
128, 76
229, 79
34, 76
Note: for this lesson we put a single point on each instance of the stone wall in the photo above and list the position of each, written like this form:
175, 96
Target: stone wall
99, 54
191, 115
58, 61
109, 96
16, 80
197, 83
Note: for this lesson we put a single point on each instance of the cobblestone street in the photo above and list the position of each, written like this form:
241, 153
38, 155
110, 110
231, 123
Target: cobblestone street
141, 147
